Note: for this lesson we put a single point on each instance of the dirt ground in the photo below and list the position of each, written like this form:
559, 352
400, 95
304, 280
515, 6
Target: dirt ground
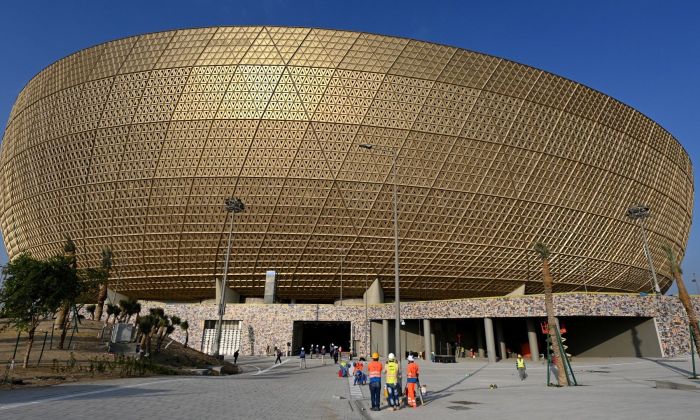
86, 357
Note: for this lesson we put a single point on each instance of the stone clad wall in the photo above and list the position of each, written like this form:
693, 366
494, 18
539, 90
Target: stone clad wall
272, 325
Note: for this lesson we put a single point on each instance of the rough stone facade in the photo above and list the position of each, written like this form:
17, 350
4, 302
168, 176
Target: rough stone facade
272, 325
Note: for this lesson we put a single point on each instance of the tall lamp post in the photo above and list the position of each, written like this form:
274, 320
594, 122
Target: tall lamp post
233, 205
641, 212
397, 331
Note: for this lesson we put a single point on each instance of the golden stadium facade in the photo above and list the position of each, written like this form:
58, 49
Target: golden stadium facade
134, 144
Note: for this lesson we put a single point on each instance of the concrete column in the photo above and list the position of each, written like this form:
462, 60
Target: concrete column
385, 337
231, 295
480, 342
374, 293
532, 339
500, 339
427, 334
490, 341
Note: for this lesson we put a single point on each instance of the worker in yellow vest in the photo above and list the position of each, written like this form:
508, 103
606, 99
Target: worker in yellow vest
392, 379
520, 365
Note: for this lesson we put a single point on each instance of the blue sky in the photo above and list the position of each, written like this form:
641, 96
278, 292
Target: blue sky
644, 53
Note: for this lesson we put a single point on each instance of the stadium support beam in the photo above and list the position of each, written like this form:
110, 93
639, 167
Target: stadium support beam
231, 295
427, 333
532, 339
374, 293
501, 339
490, 341
385, 337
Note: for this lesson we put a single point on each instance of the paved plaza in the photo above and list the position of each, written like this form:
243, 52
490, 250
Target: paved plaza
619, 388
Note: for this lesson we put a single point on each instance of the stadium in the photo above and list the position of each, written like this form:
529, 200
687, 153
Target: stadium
135, 144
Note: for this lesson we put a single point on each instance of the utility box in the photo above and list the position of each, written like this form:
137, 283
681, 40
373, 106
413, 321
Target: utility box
122, 333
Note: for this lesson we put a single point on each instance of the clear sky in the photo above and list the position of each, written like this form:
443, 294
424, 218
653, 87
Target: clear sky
644, 53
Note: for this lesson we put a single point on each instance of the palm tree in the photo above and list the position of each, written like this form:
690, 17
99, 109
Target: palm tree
91, 310
112, 310
184, 326
129, 307
102, 293
683, 294
543, 252
146, 324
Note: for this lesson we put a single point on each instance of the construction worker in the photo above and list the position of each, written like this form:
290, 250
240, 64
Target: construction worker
412, 379
520, 365
302, 359
375, 380
392, 378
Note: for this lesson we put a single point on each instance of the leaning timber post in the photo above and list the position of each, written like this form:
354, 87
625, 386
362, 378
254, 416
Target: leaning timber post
42, 348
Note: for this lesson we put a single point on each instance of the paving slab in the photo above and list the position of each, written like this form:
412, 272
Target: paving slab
620, 388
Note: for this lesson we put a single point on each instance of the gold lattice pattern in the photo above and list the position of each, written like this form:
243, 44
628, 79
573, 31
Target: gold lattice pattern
135, 144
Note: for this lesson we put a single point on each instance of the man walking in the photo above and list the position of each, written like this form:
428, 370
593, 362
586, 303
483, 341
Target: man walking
302, 359
323, 355
520, 365
235, 357
392, 378
375, 380
279, 356
412, 379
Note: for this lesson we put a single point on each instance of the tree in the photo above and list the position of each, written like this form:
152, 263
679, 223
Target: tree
63, 315
543, 252
102, 294
683, 294
184, 326
91, 310
112, 310
35, 289
146, 325
129, 307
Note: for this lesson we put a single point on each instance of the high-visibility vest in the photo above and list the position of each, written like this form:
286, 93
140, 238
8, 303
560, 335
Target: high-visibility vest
412, 372
521, 362
392, 372
375, 369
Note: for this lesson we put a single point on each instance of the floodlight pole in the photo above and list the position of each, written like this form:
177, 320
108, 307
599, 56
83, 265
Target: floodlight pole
641, 212
397, 330
342, 257
233, 205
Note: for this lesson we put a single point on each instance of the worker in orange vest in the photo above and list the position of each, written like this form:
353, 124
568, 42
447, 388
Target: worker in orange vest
412, 379
375, 380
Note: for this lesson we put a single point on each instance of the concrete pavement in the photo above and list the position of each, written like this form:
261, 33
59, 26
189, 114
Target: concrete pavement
617, 388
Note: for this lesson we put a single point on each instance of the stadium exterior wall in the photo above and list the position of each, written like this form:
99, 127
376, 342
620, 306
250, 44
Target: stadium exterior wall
266, 326
134, 144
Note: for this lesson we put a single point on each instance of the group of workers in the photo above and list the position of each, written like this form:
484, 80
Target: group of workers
392, 373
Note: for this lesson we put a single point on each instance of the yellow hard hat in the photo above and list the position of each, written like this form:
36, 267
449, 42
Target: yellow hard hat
375, 355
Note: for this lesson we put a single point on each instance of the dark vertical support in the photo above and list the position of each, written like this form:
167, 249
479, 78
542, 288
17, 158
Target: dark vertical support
501, 339
480, 341
692, 352
51, 342
42, 347
16, 344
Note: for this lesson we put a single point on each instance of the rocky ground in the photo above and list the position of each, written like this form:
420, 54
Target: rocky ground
85, 357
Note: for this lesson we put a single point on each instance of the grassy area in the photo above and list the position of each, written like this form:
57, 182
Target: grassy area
86, 358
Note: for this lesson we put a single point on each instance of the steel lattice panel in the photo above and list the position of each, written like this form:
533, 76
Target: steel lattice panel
135, 143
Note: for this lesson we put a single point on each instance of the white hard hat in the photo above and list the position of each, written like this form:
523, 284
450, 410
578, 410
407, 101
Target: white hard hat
391, 356
410, 358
